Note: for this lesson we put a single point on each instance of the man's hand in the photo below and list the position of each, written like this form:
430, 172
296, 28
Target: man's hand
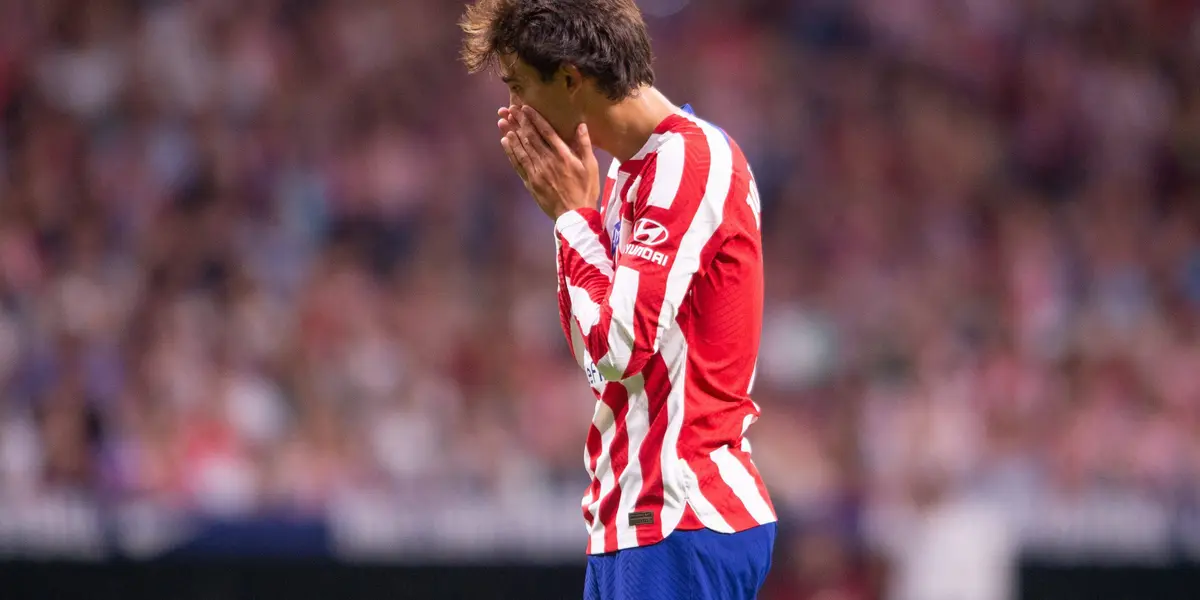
560, 177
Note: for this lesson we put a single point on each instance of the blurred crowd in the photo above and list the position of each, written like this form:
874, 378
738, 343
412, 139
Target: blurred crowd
257, 256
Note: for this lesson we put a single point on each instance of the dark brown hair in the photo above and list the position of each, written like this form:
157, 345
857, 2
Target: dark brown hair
605, 39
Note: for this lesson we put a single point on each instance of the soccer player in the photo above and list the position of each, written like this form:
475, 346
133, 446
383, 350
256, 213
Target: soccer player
660, 294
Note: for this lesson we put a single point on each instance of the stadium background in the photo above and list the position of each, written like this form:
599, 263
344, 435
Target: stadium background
268, 290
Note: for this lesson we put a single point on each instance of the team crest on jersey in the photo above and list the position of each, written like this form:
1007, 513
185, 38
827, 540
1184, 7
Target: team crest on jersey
616, 238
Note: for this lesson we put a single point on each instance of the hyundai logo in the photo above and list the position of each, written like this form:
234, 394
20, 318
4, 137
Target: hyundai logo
648, 232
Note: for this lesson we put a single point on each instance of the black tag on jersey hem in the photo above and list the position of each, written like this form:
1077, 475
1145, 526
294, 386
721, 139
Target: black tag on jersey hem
644, 517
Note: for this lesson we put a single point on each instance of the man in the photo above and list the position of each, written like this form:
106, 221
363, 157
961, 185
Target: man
660, 294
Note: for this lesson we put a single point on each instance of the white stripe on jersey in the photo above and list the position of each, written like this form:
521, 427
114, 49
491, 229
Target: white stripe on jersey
735, 474
621, 332
613, 208
613, 168
652, 145
611, 212
637, 425
587, 312
637, 183
754, 202
668, 172
747, 421
558, 253
705, 511
705, 223
753, 377
584, 358
674, 354
605, 421
579, 235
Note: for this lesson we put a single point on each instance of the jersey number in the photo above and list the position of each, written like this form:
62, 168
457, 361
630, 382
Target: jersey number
754, 202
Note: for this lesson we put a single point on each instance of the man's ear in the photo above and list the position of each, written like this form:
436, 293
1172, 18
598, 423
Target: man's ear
572, 77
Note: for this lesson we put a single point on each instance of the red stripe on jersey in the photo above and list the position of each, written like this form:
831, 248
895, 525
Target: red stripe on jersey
609, 182
678, 220
744, 458
574, 262
585, 276
564, 309
658, 386
625, 188
617, 396
581, 273
689, 522
594, 447
721, 496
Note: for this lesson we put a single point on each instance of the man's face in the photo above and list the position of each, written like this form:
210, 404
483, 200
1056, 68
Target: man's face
554, 99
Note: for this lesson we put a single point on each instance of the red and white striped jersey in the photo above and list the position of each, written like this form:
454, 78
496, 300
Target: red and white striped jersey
661, 297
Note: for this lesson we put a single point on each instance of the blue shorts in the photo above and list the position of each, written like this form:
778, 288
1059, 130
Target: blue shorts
688, 565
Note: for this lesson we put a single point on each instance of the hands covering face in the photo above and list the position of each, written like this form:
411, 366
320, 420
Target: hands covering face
561, 177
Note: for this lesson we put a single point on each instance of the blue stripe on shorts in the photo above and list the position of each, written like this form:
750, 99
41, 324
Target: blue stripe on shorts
688, 565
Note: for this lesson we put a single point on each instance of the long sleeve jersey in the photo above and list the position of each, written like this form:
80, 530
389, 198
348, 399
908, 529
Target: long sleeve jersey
661, 297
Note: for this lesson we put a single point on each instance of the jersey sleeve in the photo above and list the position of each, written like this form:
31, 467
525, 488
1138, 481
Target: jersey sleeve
616, 313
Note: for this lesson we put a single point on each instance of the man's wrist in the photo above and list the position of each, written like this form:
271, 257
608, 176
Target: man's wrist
563, 217
562, 210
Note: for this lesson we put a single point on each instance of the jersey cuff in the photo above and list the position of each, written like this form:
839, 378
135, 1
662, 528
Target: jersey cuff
574, 221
